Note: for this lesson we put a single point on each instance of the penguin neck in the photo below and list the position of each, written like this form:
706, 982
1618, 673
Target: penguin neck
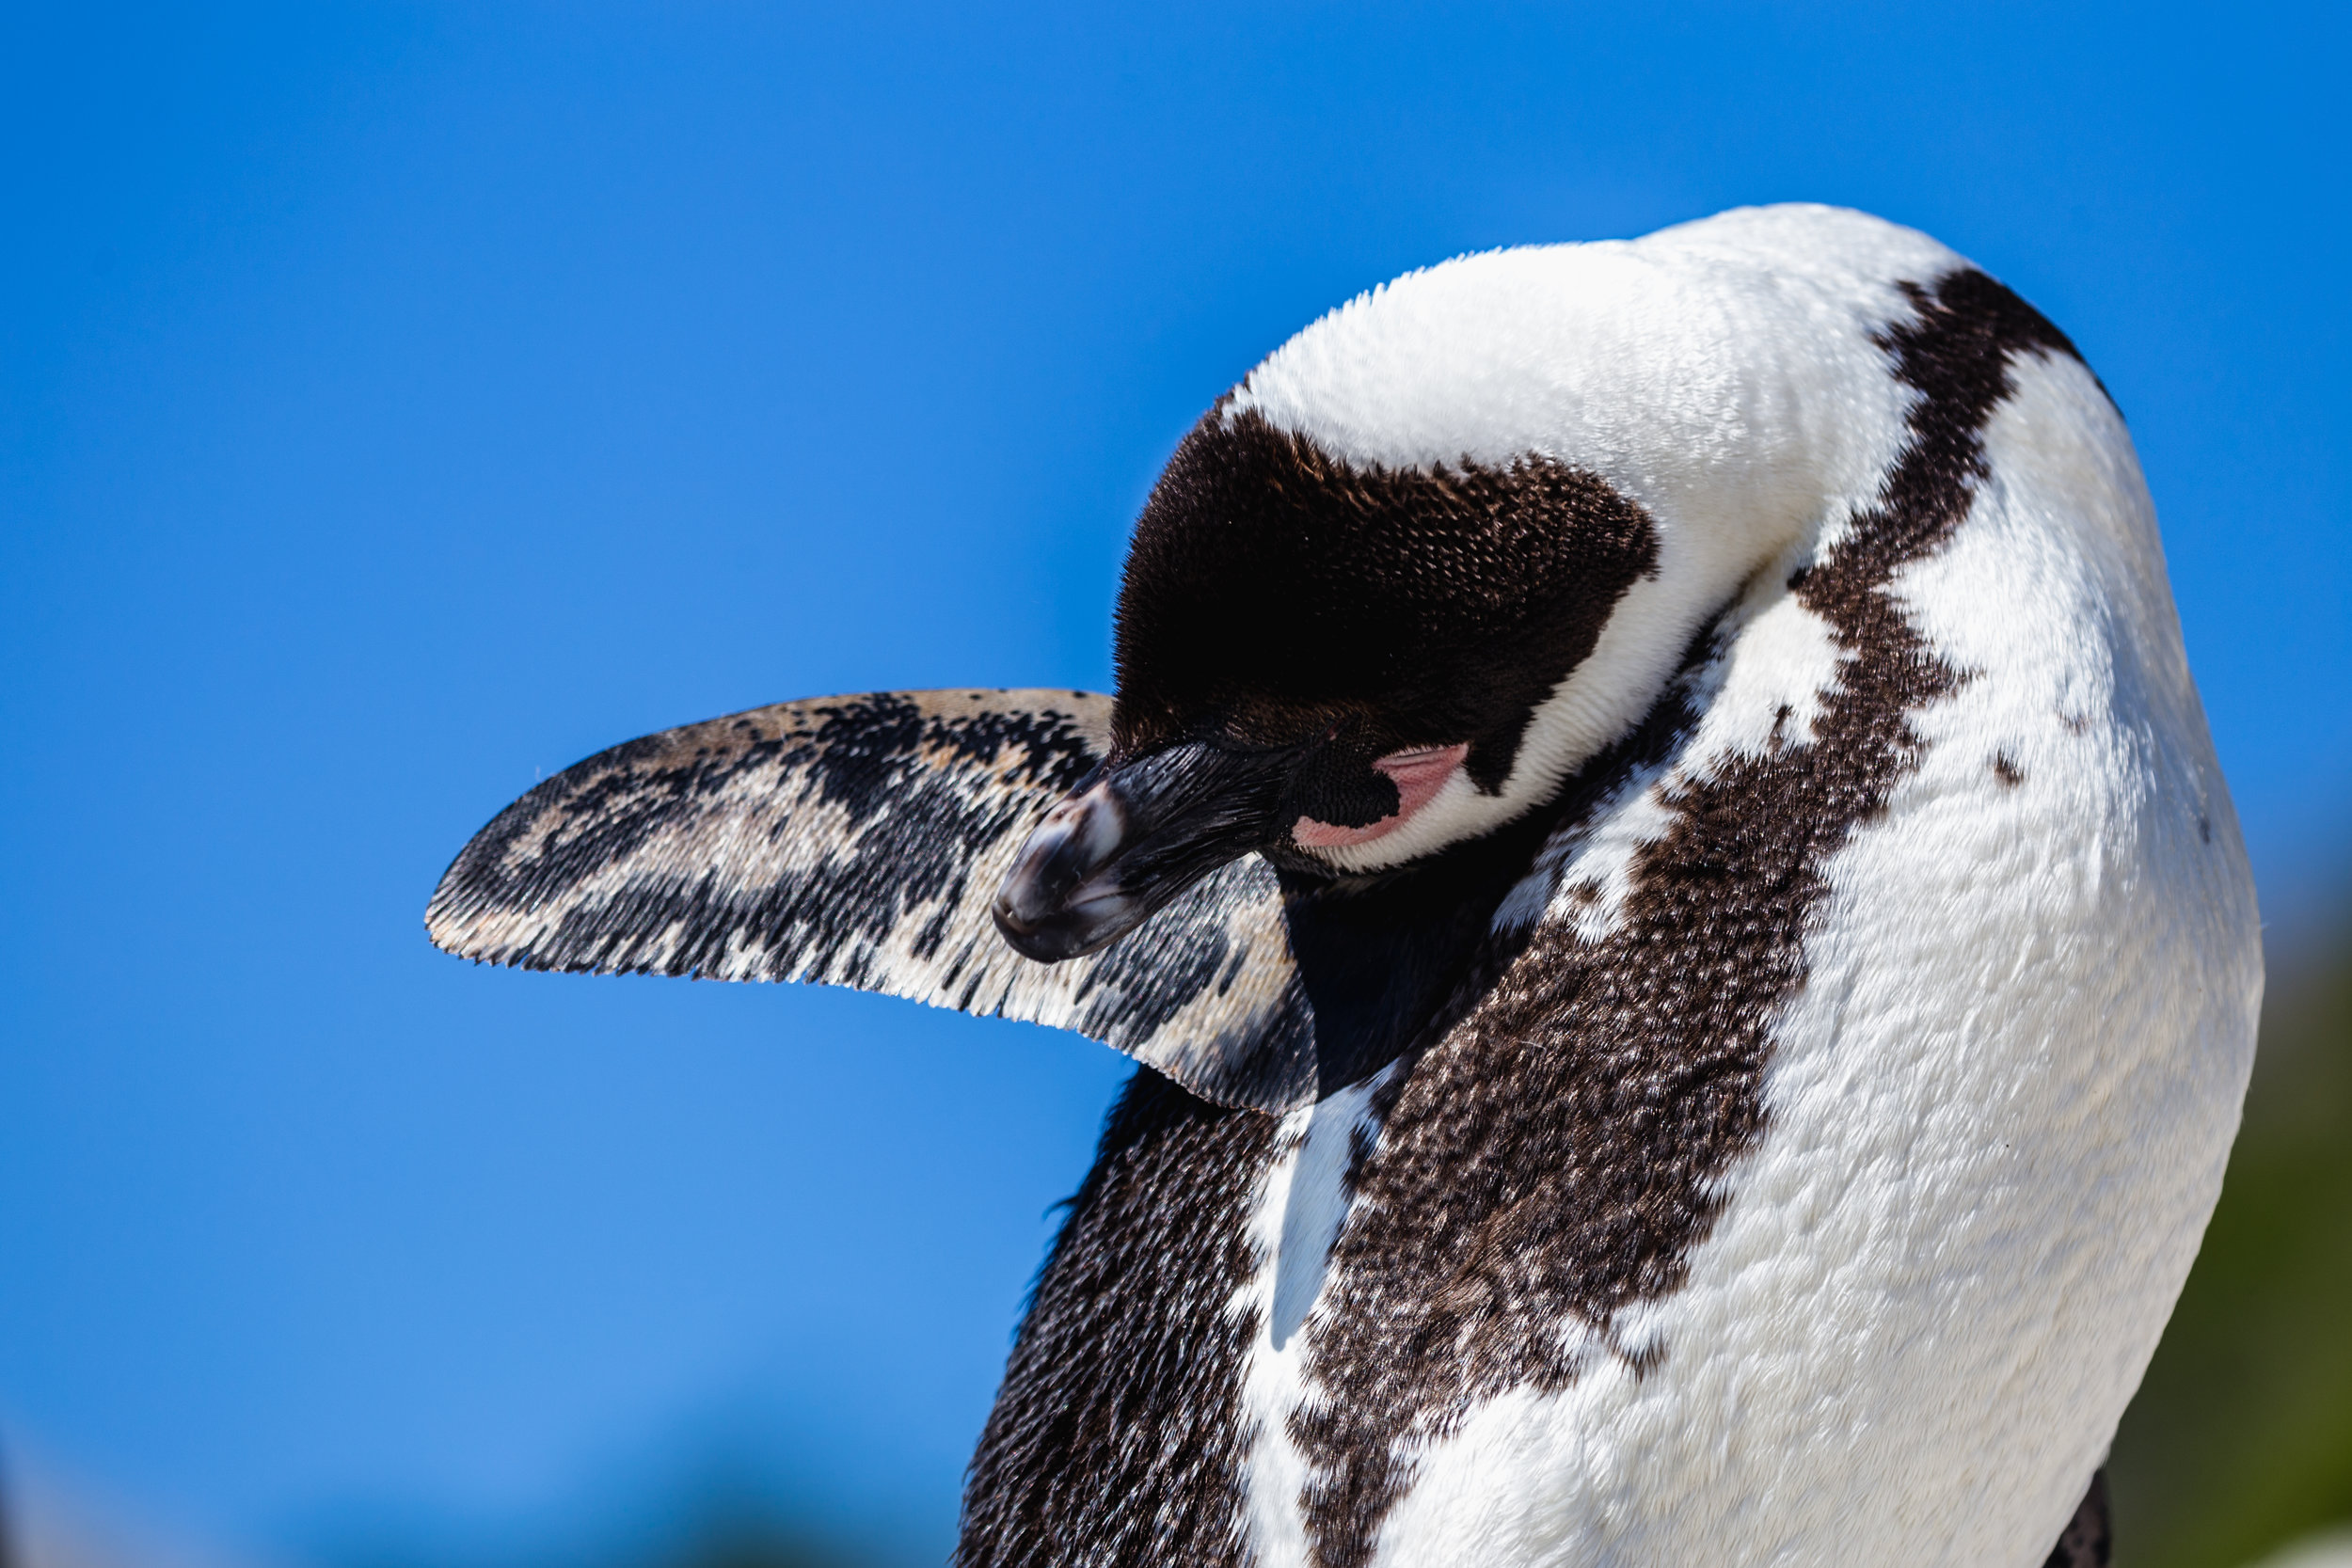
1389, 960
1385, 961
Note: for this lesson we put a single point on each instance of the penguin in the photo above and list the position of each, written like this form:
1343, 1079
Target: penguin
1690, 959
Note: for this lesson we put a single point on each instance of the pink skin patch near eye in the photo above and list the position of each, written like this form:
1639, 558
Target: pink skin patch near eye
1418, 775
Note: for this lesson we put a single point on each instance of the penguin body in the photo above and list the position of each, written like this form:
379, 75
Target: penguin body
1694, 962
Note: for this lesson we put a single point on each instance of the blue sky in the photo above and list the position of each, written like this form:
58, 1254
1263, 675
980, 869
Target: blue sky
398, 403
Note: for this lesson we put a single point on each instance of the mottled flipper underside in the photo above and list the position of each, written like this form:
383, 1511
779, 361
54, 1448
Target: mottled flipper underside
858, 841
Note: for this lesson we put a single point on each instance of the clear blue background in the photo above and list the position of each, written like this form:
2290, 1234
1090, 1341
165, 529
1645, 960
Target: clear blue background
398, 403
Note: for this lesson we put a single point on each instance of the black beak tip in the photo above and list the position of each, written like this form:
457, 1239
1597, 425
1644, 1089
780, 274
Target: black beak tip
1050, 908
1065, 931
1046, 942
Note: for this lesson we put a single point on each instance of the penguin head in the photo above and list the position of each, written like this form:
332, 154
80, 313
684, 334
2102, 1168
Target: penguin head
1424, 563
1337, 665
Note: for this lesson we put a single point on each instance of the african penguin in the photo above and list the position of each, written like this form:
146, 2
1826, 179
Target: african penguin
1692, 963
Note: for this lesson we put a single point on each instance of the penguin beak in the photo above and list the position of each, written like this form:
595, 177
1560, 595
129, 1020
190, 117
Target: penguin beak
1131, 837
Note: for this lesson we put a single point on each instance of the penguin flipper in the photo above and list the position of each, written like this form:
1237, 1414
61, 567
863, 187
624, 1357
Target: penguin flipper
858, 841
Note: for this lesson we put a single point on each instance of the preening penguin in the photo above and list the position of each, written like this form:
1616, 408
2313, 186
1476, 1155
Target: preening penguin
1692, 959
